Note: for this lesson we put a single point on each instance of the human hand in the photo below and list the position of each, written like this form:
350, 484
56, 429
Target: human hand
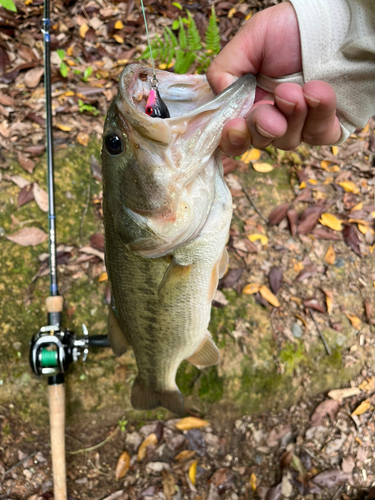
269, 43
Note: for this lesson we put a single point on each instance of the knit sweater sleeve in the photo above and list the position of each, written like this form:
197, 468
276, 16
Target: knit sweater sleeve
338, 46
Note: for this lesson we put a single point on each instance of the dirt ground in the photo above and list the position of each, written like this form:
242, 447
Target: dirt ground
298, 297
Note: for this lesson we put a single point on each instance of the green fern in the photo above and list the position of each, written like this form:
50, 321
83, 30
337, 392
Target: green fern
187, 47
212, 35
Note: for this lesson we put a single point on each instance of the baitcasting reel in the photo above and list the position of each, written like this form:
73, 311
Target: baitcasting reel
53, 350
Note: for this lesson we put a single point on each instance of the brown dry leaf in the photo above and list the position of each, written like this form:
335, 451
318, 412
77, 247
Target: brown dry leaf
168, 484
26, 163
368, 311
64, 128
122, 466
324, 234
313, 303
251, 155
331, 221
269, 296
329, 300
251, 288
275, 277
253, 481
193, 471
25, 195
351, 239
307, 224
33, 76
187, 423
4, 129
330, 478
340, 394
278, 214
83, 138
356, 322
28, 237
330, 256
184, 455
292, 215
41, 197
19, 181
118, 38
150, 440
349, 187
328, 407
362, 408
262, 167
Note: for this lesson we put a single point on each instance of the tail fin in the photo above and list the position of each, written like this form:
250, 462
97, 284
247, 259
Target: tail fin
144, 398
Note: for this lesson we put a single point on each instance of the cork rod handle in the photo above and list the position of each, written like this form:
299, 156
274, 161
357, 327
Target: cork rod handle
56, 395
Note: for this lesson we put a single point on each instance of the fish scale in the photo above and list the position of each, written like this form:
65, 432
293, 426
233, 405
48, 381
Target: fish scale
165, 236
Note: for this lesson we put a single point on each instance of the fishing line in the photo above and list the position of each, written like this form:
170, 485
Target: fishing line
154, 81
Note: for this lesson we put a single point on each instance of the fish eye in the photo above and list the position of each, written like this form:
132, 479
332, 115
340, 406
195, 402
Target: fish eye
149, 110
114, 144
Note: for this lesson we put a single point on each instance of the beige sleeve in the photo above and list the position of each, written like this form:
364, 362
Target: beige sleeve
338, 46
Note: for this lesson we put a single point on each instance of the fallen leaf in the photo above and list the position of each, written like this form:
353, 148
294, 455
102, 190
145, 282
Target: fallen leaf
169, 488
118, 25
193, 471
313, 304
97, 241
83, 30
33, 76
331, 221
278, 214
41, 197
368, 311
151, 440
329, 300
362, 408
25, 195
334, 150
330, 256
19, 181
359, 206
231, 278
118, 38
122, 466
269, 296
251, 155
83, 139
103, 277
251, 288
275, 277
307, 225
253, 481
262, 167
4, 129
184, 455
64, 128
26, 163
255, 237
330, 478
340, 394
28, 236
356, 322
328, 407
188, 423
292, 215
351, 239
349, 187
324, 234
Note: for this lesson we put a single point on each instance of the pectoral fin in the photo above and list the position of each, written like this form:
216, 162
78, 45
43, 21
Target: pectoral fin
207, 353
173, 280
223, 263
117, 339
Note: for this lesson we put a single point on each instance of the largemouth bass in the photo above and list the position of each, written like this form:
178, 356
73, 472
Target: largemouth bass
167, 212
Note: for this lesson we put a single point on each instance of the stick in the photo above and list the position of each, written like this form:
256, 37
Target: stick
329, 352
254, 207
96, 446
20, 462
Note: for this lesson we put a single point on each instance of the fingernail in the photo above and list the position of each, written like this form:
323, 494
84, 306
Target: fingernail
263, 132
311, 101
289, 106
236, 138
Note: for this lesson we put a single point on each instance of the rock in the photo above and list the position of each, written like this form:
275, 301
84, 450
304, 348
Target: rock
157, 467
296, 331
286, 485
133, 440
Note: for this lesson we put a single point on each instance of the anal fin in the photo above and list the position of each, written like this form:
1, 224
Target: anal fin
145, 398
117, 339
207, 353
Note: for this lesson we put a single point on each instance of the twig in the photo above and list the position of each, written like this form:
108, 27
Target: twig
337, 492
312, 455
20, 462
96, 446
85, 212
329, 352
254, 207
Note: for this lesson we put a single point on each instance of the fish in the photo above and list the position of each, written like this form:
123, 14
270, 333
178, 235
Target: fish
167, 213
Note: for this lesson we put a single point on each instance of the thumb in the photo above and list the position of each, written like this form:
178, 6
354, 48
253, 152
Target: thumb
243, 54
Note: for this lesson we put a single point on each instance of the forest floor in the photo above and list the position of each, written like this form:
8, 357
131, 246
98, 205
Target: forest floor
302, 248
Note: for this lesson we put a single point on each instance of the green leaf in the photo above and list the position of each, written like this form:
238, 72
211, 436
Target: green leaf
60, 53
8, 4
172, 36
212, 35
176, 4
182, 36
63, 69
87, 73
175, 24
193, 37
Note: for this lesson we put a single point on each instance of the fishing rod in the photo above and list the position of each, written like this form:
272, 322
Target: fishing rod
53, 349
